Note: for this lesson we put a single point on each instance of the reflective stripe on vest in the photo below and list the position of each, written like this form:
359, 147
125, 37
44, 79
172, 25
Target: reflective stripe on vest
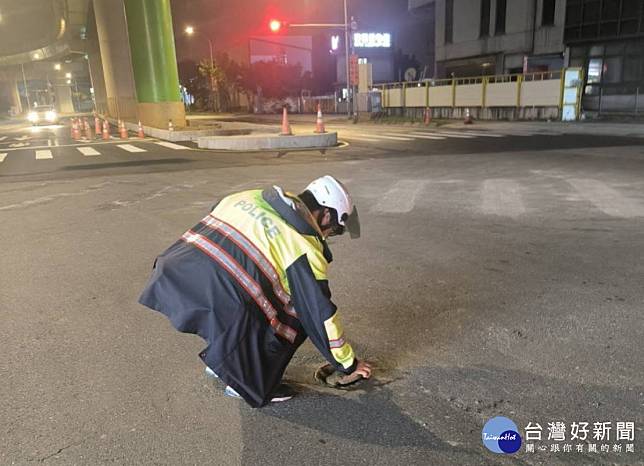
243, 278
254, 254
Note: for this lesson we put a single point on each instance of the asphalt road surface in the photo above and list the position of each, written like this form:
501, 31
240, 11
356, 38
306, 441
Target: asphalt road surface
497, 275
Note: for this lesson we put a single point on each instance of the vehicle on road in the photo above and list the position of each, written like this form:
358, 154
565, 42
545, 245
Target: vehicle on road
45, 114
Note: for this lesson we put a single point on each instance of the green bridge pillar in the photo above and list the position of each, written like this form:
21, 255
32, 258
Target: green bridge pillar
154, 62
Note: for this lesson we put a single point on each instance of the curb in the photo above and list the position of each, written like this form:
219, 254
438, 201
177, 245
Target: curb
268, 142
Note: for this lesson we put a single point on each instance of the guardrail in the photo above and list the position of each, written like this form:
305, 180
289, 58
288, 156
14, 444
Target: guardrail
542, 89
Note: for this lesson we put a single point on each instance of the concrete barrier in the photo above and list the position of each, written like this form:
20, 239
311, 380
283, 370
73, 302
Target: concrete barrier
268, 142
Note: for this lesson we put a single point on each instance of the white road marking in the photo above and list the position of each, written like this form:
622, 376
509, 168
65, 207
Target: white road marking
130, 148
3, 138
607, 199
43, 154
363, 139
483, 134
19, 144
171, 145
382, 136
22, 138
66, 145
454, 135
2, 156
401, 197
88, 151
406, 135
502, 197
427, 136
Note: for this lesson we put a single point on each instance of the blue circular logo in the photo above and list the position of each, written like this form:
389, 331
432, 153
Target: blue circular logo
501, 435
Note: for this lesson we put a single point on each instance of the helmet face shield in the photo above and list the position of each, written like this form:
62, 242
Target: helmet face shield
352, 223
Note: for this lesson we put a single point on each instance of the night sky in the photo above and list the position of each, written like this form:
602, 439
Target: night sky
229, 23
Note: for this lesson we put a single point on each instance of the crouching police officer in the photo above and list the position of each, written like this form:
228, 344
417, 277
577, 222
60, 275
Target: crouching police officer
251, 280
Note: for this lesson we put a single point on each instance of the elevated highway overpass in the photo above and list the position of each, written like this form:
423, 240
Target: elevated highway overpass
114, 56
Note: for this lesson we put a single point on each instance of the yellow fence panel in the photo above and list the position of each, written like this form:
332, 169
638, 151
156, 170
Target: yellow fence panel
440, 96
415, 96
541, 93
469, 95
502, 94
394, 97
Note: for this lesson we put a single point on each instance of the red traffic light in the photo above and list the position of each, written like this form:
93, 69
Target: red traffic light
274, 25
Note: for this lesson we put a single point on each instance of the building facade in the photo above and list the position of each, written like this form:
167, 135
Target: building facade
484, 37
606, 39
603, 37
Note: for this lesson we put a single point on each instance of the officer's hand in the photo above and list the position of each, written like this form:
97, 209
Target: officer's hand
362, 370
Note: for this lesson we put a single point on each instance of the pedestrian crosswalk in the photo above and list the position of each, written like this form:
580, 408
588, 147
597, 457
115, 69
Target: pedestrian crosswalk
514, 199
130, 148
419, 134
171, 145
86, 151
43, 155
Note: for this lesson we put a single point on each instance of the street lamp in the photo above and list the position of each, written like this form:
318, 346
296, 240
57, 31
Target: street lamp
68, 75
189, 30
57, 66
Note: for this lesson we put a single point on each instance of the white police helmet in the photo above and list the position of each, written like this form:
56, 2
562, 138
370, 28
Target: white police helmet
329, 192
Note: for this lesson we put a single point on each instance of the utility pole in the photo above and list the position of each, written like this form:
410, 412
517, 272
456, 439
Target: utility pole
24, 83
348, 61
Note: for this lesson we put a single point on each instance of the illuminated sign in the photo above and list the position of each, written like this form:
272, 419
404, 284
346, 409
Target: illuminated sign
335, 42
372, 39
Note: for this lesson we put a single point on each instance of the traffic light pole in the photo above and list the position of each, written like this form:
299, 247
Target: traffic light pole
347, 37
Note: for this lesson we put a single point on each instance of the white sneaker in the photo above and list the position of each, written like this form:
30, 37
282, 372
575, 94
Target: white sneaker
230, 391
211, 373
283, 392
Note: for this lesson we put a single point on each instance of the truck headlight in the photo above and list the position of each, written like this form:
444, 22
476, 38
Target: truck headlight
50, 115
33, 117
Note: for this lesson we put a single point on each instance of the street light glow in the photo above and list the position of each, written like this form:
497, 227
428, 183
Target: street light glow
68, 75
190, 30
275, 25
57, 66
36, 56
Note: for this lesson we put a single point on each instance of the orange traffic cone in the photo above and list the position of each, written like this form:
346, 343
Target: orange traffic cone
122, 130
468, 117
428, 116
170, 126
106, 130
88, 129
319, 124
97, 126
286, 128
141, 133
